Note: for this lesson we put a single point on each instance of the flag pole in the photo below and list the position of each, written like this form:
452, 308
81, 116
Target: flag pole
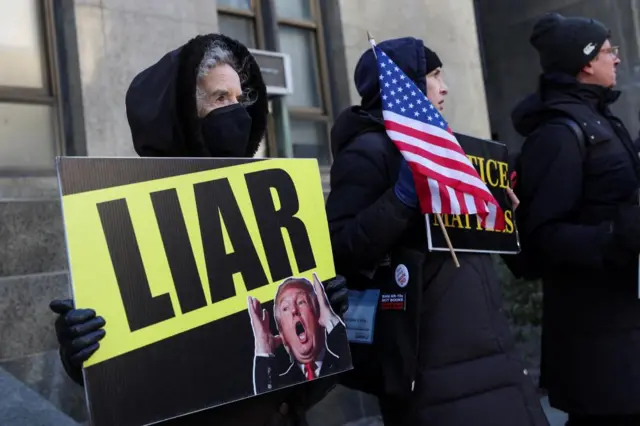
446, 237
372, 41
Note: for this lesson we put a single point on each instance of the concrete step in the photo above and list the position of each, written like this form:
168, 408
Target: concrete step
21, 406
31, 238
44, 374
26, 323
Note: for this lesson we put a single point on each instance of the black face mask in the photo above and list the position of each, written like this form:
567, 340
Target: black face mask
226, 131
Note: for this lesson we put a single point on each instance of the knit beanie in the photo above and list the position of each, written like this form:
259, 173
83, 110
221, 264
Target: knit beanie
433, 61
567, 44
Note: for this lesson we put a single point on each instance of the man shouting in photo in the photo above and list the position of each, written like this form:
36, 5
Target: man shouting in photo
312, 334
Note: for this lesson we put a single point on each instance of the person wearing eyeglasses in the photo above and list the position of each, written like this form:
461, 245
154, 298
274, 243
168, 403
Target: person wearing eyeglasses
579, 219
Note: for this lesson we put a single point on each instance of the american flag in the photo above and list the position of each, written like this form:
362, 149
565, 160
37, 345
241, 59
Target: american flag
446, 181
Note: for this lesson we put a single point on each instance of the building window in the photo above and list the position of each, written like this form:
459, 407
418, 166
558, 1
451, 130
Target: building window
237, 19
300, 34
30, 116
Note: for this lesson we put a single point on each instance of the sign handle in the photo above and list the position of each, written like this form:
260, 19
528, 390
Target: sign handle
446, 237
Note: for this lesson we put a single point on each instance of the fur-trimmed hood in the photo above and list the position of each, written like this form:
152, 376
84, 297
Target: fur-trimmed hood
161, 101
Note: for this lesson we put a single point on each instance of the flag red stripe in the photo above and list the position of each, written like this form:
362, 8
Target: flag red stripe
441, 161
476, 204
446, 181
462, 187
457, 166
453, 183
499, 222
424, 195
463, 204
445, 201
424, 136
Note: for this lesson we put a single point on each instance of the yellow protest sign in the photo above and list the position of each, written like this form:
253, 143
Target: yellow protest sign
159, 247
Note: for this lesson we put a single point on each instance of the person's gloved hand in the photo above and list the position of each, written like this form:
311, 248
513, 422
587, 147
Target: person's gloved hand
78, 332
337, 293
515, 201
405, 188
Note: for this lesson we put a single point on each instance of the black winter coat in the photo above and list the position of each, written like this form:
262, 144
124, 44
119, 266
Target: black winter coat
161, 111
591, 325
468, 371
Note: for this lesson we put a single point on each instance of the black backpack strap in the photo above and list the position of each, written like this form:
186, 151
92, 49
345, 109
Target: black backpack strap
575, 128
524, 265
577, 131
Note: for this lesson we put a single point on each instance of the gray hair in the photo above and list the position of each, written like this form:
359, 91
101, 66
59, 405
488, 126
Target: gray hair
217, 53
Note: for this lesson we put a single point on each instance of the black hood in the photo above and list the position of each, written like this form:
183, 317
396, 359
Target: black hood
161, 101
410, 55
352, 122
556, 92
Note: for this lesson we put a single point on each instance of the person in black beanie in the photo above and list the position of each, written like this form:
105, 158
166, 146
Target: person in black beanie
446, 356
567, 45
579, 219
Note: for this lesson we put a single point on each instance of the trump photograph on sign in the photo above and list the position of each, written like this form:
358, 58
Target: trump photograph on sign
313, 337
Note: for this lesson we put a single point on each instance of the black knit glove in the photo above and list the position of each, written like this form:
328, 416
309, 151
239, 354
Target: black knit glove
337, 293
78, 332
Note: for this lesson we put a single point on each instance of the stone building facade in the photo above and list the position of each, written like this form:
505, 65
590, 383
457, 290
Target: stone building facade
66, 65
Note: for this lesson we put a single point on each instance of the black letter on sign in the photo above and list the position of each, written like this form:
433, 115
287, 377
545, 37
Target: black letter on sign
142, 309
214, 199
271, 221
178, 248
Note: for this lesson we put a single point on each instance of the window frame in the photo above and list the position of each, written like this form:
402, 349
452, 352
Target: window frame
255, 17
49, 94
323, 113
249, 15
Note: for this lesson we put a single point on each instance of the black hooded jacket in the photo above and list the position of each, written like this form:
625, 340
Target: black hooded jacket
355, 247
161, 103
161, 109
591, 322
465, 367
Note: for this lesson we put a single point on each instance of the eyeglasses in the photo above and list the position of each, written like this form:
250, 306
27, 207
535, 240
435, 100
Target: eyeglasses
613, 50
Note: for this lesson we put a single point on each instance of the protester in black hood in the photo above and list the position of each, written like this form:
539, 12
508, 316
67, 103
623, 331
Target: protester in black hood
204, 99
170, 115
465, 369
579, 218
